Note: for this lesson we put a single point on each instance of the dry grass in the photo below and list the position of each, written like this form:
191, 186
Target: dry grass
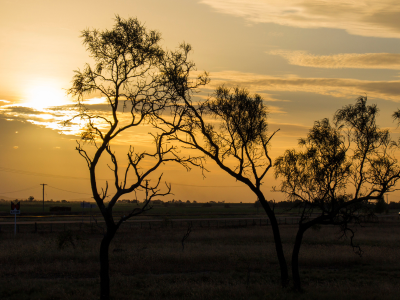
235, 263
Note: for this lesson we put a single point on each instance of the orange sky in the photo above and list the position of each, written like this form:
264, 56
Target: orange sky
306, 58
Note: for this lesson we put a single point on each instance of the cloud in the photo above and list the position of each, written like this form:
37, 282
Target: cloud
338, 61
16, 110
288, 130
362, 17
336, 87
51, 117
275, 110
265, 85
55, 117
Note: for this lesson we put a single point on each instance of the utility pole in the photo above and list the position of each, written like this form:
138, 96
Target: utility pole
43, 193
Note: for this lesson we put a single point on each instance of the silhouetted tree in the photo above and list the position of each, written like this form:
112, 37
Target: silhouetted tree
238, 144
127, 74
340, 169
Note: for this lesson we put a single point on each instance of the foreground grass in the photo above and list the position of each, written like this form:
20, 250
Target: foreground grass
224, 263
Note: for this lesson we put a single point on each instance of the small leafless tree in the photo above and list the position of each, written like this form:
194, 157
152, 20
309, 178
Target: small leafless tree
340, 169
127, 74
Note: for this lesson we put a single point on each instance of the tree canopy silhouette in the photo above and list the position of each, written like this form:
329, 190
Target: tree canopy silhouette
128, 74
340, 168
231, 129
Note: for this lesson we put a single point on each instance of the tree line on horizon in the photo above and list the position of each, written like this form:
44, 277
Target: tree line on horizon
339, 168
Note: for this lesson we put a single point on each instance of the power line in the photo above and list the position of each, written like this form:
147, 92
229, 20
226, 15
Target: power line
10, 170
210, 186
80, 199
67, 190
6, 197
30, 188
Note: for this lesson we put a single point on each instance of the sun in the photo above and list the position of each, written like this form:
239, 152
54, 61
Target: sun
45, 94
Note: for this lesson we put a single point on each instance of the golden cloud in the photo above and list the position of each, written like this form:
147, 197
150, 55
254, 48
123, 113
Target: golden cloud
362, 17
338, 61
336, 87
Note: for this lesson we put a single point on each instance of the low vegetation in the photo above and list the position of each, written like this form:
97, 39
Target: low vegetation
216, 263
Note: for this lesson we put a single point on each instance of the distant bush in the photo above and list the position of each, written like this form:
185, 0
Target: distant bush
206, 204
227, 205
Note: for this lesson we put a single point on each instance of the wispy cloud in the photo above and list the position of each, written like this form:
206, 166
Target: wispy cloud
55, 118
339, 61
4, 102
337, 87
362, 17
288, 129
267, 86
275, 110
52, 117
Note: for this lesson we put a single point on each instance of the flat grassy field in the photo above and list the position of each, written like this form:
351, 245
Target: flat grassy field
216, 263
172, 209
29, 209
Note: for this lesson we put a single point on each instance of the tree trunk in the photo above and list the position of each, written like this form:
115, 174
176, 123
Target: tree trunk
279, 250
277, 240
295, 259
104, 264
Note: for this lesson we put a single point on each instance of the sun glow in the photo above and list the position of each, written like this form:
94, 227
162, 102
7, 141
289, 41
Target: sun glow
45, 94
